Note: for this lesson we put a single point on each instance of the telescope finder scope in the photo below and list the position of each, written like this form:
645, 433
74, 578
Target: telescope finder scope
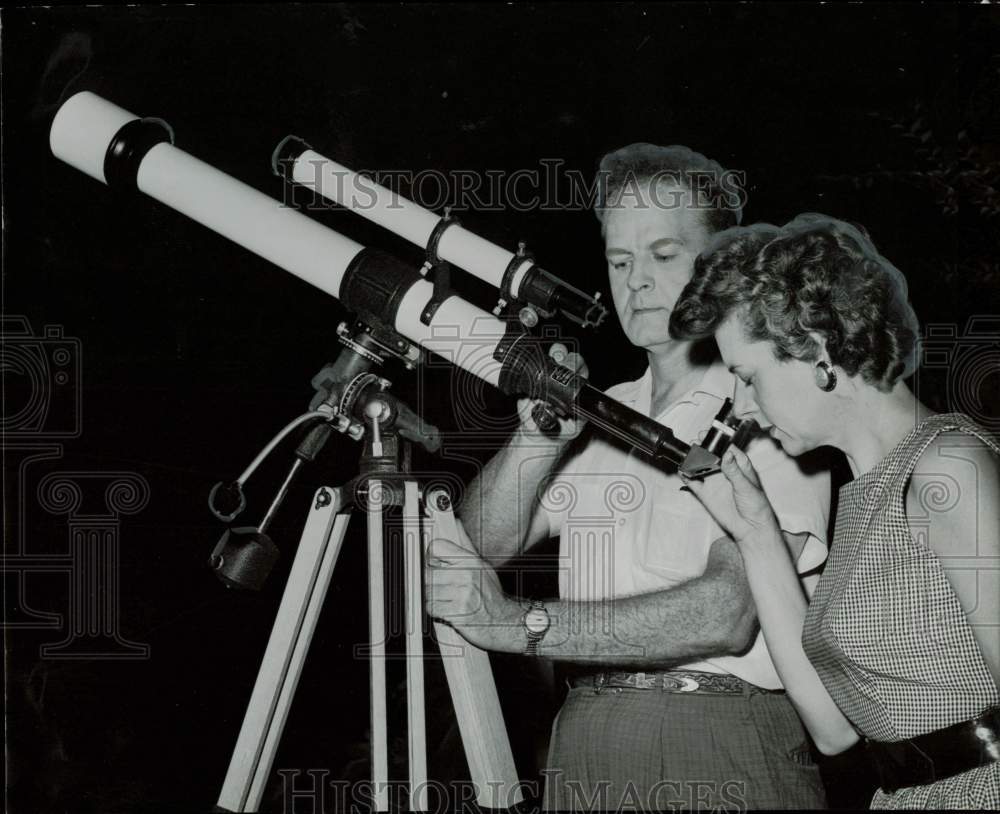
515, 275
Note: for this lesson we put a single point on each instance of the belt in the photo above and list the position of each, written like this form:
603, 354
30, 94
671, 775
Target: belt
685, 681
937, 755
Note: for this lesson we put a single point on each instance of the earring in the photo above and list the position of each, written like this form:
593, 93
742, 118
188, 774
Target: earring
826, 377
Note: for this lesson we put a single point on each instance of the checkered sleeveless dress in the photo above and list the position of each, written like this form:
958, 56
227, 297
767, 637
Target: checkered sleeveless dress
885, 630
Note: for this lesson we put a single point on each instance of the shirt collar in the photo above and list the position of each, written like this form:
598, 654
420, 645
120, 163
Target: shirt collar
717, 384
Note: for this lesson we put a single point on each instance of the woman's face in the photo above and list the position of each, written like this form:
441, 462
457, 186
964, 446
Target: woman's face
781, 396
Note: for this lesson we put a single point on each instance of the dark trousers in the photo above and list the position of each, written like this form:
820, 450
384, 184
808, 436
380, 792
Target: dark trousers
652, 750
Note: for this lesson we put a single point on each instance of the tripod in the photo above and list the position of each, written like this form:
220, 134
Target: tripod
383, 481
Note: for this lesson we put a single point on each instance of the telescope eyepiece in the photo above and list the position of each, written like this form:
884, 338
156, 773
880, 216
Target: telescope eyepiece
549, 294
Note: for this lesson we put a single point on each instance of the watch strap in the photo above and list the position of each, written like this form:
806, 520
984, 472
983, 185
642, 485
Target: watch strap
534, 637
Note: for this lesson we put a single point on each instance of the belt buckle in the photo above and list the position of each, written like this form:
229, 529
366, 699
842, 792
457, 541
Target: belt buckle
673, 683
600, 679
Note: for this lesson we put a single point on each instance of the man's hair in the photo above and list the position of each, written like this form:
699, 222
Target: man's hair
814, 275
627, 170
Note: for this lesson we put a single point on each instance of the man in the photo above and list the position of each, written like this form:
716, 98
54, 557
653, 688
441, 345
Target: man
673, 700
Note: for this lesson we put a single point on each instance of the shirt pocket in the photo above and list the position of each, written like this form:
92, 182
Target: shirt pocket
676, 544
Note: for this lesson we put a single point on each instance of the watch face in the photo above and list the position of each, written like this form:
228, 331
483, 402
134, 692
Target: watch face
536, 620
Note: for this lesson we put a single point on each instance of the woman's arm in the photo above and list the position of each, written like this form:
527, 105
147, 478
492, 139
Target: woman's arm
953, 501
781, 610
741, 507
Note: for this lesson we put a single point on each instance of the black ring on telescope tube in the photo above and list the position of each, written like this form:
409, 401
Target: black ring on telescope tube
129, 146
375, 283
286, 154
515, 263
435, 238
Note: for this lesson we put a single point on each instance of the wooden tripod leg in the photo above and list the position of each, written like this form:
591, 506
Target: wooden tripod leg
286, 650
473, 690
413, 596
379, 719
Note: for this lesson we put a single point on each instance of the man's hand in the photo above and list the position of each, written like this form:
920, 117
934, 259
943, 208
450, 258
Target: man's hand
463, 590
501, 506
569, 428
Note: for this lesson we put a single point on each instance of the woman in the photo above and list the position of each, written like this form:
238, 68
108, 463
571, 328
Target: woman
817, 327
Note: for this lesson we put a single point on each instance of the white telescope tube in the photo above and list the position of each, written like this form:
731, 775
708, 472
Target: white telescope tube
87, 129
516, 276
409, 220
86, 125
114, 146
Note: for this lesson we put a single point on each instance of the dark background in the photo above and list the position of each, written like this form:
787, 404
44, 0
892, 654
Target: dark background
194, 352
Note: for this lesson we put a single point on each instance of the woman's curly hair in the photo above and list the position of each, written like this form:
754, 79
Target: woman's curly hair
815, 274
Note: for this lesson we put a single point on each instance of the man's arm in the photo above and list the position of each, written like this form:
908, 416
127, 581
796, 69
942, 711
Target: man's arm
710, 615
500, 511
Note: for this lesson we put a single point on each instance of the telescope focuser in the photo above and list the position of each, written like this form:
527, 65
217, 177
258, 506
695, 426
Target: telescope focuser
527, 370
541, 294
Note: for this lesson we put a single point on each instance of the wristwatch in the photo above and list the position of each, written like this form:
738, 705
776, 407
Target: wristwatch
536, 623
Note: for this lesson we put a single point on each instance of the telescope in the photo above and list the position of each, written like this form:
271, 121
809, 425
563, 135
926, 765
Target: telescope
517, 276
127, 152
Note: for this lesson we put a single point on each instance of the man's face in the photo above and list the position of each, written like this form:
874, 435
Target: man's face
651, 243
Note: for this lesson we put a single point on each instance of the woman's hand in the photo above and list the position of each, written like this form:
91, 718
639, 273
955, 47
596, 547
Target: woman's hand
737, 500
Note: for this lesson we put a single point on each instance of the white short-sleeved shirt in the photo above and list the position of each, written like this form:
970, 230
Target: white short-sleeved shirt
626, 528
